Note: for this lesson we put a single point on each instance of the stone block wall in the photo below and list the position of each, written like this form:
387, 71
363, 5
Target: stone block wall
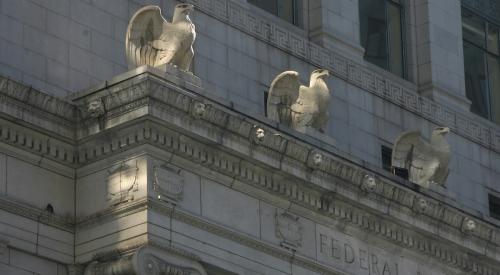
64, 46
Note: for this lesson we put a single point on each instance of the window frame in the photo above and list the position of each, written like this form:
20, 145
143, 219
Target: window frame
297, 19
487, 53
402, 18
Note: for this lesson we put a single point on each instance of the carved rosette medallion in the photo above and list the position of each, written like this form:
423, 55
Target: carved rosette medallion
168, 183
121, 182
289, 230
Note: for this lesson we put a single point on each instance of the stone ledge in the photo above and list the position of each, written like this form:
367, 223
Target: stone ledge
144, 108
382, 84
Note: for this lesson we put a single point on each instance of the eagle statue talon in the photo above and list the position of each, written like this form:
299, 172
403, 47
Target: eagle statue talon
296, 105
152, 40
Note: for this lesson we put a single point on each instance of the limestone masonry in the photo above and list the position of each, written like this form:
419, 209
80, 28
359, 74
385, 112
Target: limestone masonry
220, 137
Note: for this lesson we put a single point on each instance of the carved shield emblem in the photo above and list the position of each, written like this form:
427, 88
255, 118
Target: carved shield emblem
121, 182
289, 230
168, 182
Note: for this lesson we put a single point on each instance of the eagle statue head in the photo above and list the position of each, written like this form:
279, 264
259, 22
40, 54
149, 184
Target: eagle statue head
437, 138
319, 74
182, 11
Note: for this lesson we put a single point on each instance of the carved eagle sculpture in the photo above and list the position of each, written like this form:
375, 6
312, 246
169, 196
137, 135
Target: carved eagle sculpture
296, 105
151, 40
426, 162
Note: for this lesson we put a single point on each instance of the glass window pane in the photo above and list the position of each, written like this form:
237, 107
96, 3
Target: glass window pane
286, 10
373, 31
268, 5
494, 80
476, 84
473, 29
395, 39
492, 39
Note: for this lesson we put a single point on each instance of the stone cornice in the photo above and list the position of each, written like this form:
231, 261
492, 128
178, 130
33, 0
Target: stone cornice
45, 112
144, 108
384, 85
23, 210
222, 140
148, 110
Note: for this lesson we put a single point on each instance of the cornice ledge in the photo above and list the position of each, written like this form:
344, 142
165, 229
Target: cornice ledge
38, 215
37, 108
384, 85
176, 128
450, 256
147, 259
174, 107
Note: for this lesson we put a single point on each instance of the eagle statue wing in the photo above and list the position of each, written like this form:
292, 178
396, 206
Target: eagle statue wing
411, 152
144, 29
283, 92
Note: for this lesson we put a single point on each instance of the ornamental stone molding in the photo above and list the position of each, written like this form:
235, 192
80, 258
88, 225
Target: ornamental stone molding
392, 89
369, 184
199, 109
168, 183
420, 205
121, 183
147, 260
144, 108
289, 230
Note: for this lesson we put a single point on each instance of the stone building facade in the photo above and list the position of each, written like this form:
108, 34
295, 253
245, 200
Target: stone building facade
105, 170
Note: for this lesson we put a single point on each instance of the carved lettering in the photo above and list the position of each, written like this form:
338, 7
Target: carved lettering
386, 269
339, 250
374, 268
349, 254
322, 246
363, 261
335, 249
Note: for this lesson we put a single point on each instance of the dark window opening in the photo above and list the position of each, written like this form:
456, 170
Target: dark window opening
285, 9
382, 34
266, 94
494, 205
387, 164
386, 158
481, 65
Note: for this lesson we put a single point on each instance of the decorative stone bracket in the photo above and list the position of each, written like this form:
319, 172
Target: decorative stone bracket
147, 260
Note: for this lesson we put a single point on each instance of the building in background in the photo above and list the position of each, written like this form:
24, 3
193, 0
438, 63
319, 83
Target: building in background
105, 170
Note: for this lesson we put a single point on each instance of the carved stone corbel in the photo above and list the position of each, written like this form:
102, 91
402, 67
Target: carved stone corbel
147, 260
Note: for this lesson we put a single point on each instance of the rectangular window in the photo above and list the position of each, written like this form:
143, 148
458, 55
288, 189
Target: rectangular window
386, 158
494, 205
285, 9
381, 34
482, 65
387, 163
